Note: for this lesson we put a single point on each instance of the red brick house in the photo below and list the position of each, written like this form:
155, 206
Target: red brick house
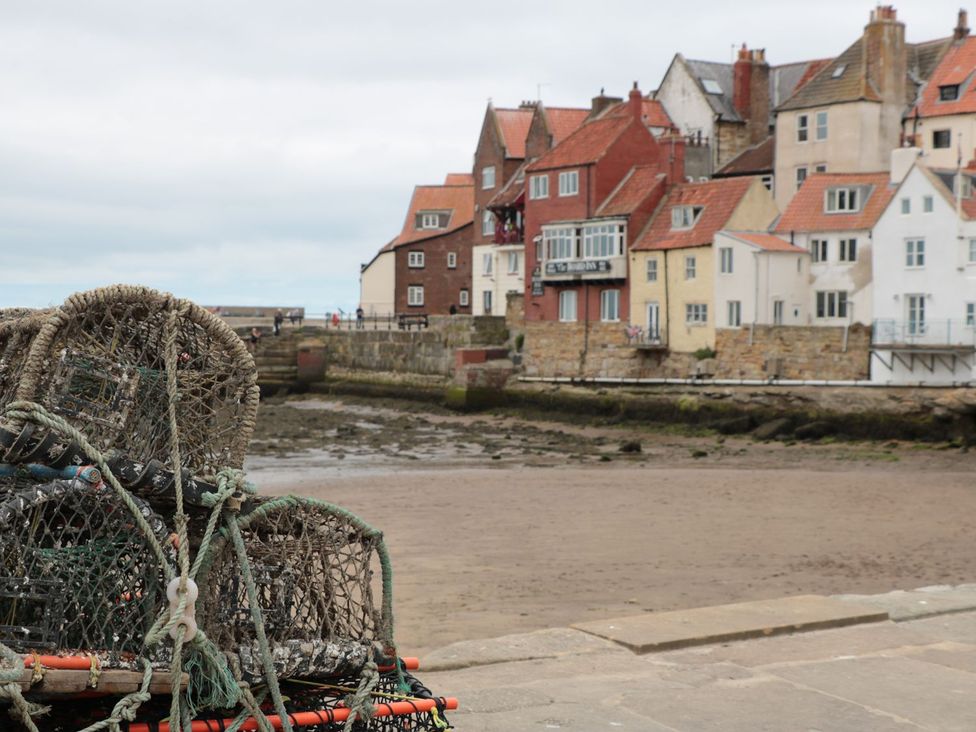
584, 199
432, 267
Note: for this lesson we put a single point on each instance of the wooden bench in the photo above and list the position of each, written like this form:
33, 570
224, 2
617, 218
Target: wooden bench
405, 321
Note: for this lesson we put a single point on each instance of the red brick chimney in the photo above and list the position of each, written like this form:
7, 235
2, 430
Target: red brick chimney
742, 82
962, 26
602, 102
672, 146
635, 103
885, 57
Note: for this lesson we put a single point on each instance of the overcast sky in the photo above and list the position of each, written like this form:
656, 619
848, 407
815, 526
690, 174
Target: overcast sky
243, 152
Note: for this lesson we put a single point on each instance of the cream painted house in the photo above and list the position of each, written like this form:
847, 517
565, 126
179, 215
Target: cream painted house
496, 270
760, 279
672, 289
377, 283
848, 118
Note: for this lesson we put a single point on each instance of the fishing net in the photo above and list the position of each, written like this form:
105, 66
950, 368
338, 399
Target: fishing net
313, 566
101, 362
76, 573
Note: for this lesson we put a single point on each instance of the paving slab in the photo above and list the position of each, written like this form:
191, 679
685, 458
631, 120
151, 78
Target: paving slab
550, 643
929, 695
654, 632
921, 602
958, 627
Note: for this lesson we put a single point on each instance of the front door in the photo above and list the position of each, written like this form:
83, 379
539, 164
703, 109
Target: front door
653, 322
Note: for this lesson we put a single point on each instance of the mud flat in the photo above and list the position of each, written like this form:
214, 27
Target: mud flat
502, 525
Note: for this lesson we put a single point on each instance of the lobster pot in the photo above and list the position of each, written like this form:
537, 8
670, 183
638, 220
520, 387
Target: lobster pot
313, 570
17, 330
76, 572
100, 361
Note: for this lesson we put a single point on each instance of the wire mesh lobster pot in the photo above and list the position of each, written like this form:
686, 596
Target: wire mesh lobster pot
18, 326
100, 361
77, 573
313, 568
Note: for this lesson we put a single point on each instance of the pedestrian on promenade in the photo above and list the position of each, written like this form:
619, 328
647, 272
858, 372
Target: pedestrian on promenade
292, 316
253, 340
360, 318
335, 320
279, 318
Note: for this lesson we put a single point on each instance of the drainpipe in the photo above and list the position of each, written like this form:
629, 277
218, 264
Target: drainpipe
586, 327
667, 305
755, 297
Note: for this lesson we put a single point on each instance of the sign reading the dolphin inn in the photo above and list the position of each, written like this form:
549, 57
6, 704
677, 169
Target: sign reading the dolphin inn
578, 266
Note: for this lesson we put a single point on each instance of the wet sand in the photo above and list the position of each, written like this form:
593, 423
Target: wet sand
561, 527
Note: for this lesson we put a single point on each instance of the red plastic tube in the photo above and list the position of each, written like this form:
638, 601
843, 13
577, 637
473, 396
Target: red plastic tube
307, 719
70, 663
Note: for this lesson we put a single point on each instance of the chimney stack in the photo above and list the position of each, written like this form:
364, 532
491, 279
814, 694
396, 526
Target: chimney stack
742, 82
601, 102
884, 56
635, 104
962, 26
750, 91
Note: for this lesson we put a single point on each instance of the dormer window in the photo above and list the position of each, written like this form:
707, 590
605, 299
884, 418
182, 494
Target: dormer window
430, 220
843, 200
711, 86
967, 186
949, 93
685, 217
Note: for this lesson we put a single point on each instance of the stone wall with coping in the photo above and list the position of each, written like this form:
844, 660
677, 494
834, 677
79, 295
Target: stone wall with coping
793, 352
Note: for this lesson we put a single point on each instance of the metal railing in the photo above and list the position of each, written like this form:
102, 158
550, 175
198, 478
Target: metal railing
637, 335
958, 332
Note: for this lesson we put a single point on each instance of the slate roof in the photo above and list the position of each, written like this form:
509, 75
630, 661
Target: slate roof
958, 66
586, 145
765, 241
459, 200
513, 126
722, 75
806, 210
755, 160
632, 191
718, 198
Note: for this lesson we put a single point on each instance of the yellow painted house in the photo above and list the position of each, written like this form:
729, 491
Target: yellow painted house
672, 288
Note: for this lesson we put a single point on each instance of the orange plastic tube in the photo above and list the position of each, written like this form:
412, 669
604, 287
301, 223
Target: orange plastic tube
410, 664
307, 719
70, 663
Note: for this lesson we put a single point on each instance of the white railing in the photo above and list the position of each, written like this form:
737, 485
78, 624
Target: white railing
923, 333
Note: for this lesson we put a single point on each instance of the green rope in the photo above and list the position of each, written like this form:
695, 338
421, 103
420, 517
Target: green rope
11, 672
127, 707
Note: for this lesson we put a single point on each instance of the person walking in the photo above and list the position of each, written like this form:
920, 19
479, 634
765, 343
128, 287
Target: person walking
279, 318
253, 339
360, 318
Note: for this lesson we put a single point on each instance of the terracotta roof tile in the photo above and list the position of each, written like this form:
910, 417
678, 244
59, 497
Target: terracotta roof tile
768, 242
513, 124
564, 121
459, 179
958, 66
585, 145
458, 200
718, 199
806, 210
754, 160
652, 111
633, 190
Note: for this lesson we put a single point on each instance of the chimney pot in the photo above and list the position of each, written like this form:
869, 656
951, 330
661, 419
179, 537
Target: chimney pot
962, 26
636, 103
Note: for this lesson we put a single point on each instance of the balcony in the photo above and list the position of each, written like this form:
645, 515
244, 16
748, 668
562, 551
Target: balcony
926, 333
645, 340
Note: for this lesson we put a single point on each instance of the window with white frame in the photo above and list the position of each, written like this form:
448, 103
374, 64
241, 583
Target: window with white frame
452, 260
802, 128
652, 270
487, 262
569, 183
430, 221
777, 312
801, 175
941, 138
415, 295
915, 307
734, 312
842, 200
486, 301
685, 217
725, 260
820, 168
463, 298
971, 314
691, 264
610, 306
696, 313
488, 176
603, 240
928, 204
906, 205
818, 250
831, 304
487, 223
513, 262
822, 125
538, 186
560, 242
915, 253
972, 251
415, 260
567, 306
848, 250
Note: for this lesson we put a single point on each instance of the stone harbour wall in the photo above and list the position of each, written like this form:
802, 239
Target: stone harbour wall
793, 352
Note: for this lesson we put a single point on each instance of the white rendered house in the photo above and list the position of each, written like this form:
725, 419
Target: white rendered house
760, 279
496, 270
925, 281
